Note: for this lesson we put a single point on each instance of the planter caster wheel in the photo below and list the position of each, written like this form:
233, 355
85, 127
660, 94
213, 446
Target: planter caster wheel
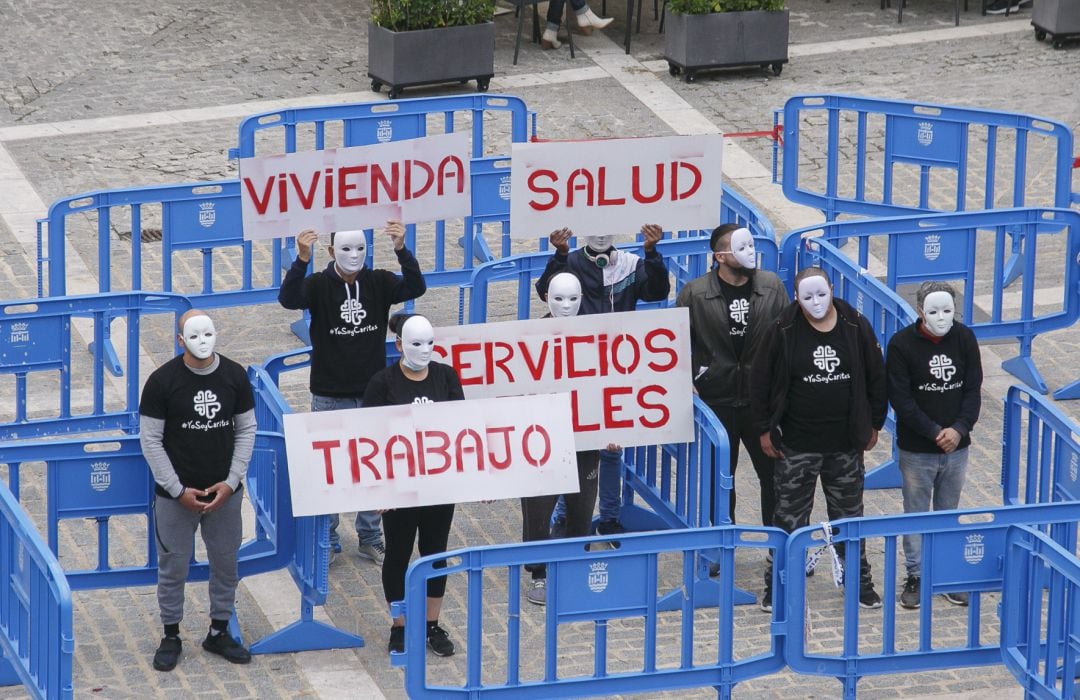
482, 84
376, 86
395, 92
672, 69
1059, 44
689, 76
778, 67
1039, 35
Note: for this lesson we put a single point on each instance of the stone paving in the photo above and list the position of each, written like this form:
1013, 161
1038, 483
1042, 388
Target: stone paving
65, 62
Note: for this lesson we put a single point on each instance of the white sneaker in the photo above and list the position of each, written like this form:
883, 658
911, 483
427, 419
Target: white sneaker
588, 20
374, 552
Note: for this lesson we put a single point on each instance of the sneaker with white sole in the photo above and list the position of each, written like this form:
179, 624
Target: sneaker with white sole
438, 640
1000, 7
956, 598
537, 593
375, 552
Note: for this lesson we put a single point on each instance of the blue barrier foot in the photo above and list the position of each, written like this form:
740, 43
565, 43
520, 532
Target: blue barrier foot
7, 673
110, 359
1024, 369
706, 595
306, 635
637, 519
299, 327
887, 476
1069, 391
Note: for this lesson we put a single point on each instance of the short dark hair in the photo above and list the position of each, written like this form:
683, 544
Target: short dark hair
720, 234
812, 271
929, 287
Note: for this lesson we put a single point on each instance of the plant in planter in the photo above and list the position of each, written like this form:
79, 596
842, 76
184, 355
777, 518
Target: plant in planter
424, 42
704, 34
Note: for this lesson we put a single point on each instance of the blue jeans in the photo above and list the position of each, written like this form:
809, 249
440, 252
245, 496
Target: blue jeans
929, 478
368, 523
609, 488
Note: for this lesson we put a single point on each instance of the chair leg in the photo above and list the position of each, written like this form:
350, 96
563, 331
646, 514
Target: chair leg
569, 28
629, 22
536, 25
663, 13
958, 12
638, 30
517, 37
900, 12
655, 10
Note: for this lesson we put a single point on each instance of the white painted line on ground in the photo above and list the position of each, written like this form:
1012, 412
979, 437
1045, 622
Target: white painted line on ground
970, 31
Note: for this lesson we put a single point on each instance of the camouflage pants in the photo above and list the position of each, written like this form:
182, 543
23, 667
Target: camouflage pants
842, 481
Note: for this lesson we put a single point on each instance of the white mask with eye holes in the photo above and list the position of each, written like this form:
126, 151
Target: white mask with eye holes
742, 248
564, 295
350, 251
417, 343
938, 313
200, 337
815, 296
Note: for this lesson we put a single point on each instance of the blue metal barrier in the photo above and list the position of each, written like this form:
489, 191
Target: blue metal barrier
891, 157
962, 551
1040, 451
1040, 615
37, 344
597, 588
970, 250
36, 632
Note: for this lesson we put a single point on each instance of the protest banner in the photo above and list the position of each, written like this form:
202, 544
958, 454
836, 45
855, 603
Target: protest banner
613, 186
628, 374
358, 187
430, 453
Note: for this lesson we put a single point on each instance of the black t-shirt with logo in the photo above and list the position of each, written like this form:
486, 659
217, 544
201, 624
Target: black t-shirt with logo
198, 412
819, 397
738, 311
390, 387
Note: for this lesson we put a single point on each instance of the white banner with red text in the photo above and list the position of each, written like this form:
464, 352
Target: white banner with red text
628, 374
430, 453
357, 187
613, 186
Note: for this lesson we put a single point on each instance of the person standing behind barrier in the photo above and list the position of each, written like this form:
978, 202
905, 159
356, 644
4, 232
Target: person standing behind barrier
818, 399
731, 308
349, 308
415, 379
935, 387
611, 280
564, 300
197, 431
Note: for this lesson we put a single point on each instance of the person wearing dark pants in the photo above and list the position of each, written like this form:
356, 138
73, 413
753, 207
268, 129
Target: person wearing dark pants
197, 432
731, 308
818, 399
935, 387
415, 379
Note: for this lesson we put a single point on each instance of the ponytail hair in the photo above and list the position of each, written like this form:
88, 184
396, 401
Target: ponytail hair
397, 322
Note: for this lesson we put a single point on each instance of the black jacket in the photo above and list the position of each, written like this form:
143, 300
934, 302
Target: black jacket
726, 382
644, 279
771, 374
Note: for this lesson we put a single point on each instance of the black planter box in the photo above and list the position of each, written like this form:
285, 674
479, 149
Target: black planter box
1058, 18
430, 56
725, 40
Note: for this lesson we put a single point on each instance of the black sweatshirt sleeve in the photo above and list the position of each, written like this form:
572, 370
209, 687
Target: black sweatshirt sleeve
652, 283
558, 263
291, 293
761, 374
876, 386
411, 284
971, 403
903, 401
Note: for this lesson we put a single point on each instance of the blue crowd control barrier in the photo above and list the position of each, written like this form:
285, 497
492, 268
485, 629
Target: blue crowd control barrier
57, 389
1040, 615
962, 551
310, 561
36, 631
1040, 451
890, 157
598, 589
970, 249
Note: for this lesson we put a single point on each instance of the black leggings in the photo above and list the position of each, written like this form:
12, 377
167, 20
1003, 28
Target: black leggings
401, 527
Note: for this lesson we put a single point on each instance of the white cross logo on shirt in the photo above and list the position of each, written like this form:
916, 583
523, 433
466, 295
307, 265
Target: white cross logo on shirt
206, 404
825, 358
739, 309
942, 367
352, 311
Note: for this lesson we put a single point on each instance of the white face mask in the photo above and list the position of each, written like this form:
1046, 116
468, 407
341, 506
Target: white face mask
417, 343
564, 295
350, 251
937, 313
815, 297
199, 337
599, 243
742, 248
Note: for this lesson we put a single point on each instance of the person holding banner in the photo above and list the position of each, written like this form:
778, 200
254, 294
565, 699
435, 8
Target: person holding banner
415, 379
197, 432
818, 400
611, 280
349, 308
731, 308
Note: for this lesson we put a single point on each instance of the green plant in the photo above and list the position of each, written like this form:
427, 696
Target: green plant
704, 7
406, 15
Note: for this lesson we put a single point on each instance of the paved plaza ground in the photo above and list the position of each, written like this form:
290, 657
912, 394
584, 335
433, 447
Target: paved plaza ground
97, 95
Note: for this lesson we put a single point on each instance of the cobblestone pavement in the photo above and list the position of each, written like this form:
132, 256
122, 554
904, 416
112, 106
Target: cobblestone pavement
114, 94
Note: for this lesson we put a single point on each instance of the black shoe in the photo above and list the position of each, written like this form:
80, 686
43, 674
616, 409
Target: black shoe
226, 647
766, 600
910, 598
714, 570
957, 598
438, 640
397, 640
558, 529
868, 597
1000, 7
610, 527
167, 654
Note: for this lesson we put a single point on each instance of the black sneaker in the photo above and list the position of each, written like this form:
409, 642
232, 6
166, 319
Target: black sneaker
910, 597
957, 598
610, 527
558, 529
868, 597
397, 640
1000, 7
226, 647
766, 600
167, 654
438, 640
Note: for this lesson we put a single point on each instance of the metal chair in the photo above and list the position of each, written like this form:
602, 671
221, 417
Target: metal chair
900, 9
519, 5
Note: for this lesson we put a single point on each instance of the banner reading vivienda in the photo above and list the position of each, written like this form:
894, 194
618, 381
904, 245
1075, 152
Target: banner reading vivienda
627, 374
613, 186
358, 187
429, 453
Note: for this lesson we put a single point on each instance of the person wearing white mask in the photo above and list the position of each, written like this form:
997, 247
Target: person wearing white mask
731, 307
935, 387
197, 432
349, 306
415, 379
611, 280
817, 400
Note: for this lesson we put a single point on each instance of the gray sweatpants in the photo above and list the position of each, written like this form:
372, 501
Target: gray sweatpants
222, 532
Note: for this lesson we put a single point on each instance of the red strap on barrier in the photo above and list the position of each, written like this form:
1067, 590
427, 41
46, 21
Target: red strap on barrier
1076, 163
776, 134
